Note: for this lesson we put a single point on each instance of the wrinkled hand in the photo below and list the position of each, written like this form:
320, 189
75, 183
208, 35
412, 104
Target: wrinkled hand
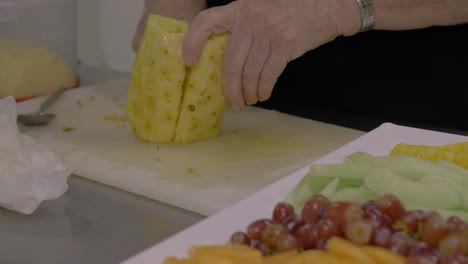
265, 36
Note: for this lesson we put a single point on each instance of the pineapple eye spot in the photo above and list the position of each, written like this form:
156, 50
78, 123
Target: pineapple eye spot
191, 108
166, 52
168, 118
208, 98
213, 114
178, 30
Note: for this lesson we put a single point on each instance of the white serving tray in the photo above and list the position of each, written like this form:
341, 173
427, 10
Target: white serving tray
218, 228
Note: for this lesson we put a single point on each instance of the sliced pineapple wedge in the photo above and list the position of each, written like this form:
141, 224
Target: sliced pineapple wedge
203, 102
156, 86
168, 102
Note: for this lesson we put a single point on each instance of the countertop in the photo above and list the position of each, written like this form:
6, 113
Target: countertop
95, 223
92, 222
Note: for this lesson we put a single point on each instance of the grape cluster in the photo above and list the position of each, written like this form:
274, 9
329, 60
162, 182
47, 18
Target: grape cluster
422, 236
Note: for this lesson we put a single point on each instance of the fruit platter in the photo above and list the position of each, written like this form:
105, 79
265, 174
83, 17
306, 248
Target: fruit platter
394, 195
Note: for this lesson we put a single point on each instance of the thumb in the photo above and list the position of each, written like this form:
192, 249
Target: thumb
215, 20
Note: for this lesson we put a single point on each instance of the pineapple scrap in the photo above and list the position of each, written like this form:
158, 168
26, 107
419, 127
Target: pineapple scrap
168, 102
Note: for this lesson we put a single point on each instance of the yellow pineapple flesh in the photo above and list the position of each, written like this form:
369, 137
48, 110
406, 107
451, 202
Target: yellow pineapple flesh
203, 101
158, 75
168, 102
456, 153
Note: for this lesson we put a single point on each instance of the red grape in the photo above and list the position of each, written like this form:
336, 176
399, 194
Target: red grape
307, 235
264, 248
240, 238
453, 243
292, 223
378, 218
315, 207
255, 229
286, 242
282, 210
431, 214
432, 254
271, 233
434, 229
454, 259
455, 224
359, 231
328, 228
423, 250
400, 243
390, 205
369, 204
381, 236
412, 220
343, 212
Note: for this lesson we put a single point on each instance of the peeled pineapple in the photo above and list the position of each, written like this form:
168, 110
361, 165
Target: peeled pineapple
167, 102
28, 70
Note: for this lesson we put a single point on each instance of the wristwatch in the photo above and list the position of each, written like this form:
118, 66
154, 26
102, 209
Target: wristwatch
367, 14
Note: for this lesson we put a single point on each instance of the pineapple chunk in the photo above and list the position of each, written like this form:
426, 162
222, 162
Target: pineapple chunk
155, 93
456, 153
203, 101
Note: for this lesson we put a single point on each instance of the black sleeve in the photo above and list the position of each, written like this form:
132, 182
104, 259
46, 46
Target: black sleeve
415, 76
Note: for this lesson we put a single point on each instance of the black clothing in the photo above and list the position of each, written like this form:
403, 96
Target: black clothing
414, 77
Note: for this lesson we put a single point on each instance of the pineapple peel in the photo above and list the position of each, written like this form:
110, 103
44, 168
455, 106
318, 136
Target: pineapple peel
168, 102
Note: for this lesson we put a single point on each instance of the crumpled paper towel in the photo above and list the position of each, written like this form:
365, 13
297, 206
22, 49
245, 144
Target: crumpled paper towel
29, 173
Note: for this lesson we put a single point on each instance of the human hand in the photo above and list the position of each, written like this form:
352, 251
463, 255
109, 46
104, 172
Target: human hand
265, 36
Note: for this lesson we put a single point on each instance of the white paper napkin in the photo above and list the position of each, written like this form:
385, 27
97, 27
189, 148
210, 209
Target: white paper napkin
29, 173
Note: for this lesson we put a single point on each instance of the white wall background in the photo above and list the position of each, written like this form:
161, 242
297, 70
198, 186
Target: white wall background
104, 32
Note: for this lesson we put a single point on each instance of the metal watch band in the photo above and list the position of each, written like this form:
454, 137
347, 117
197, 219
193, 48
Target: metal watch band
367, 14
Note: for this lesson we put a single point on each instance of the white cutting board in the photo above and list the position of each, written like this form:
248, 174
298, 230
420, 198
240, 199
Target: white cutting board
255, 148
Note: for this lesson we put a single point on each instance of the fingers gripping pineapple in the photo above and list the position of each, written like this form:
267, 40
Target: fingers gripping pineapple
168, 103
